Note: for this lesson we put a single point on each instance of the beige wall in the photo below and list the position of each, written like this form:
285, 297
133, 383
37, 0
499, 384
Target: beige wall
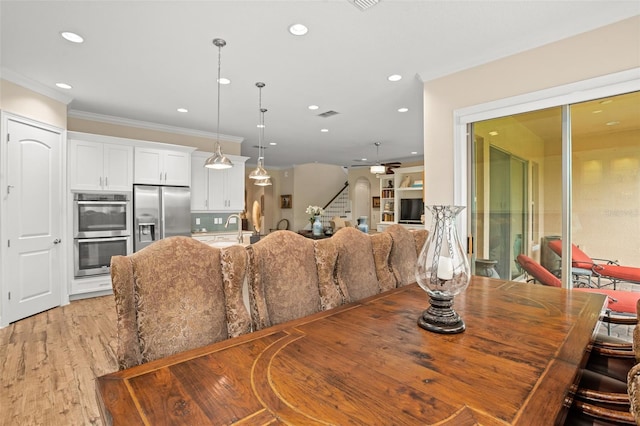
607, 50
606, 195
26, 103
314, 184
121, 131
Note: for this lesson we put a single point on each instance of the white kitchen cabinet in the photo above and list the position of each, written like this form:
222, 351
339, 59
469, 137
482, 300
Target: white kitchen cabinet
97, 166
217, 190
162, 167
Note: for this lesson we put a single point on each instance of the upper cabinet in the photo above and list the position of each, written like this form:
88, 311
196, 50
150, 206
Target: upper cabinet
98, 166
107, 163
217, 190
162, 167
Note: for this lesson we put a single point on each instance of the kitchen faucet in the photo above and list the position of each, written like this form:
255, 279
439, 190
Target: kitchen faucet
226, 225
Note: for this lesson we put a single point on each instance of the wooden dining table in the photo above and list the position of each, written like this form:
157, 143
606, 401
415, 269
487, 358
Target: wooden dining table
368, 363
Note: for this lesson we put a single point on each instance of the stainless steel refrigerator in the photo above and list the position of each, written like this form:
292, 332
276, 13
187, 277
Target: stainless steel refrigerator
160, 212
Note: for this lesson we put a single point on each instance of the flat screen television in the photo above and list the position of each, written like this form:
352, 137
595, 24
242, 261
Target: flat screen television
410, 210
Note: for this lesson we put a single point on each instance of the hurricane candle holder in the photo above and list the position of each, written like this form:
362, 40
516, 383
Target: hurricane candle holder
442, 272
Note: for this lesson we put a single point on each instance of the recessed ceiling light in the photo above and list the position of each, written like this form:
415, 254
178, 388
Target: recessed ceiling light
260, 126
613, 123
313, 107
63, 85
273, 143
403, 109
394, 77
224, 80
298, 29
183, 110
72, 37
606, 101
414, 152
363, 159
324, 130
493, 133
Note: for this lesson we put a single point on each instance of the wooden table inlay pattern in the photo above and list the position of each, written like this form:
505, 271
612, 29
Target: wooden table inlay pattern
369, 363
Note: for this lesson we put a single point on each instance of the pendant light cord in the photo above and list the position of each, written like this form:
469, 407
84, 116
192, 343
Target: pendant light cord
218, 81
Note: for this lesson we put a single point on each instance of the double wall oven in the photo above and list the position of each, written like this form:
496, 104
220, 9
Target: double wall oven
101, 229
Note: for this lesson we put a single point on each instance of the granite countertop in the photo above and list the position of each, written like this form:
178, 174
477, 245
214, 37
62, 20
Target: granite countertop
215, 233
221, 238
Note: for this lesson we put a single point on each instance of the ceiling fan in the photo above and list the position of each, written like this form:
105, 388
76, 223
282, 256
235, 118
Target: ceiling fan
388, 167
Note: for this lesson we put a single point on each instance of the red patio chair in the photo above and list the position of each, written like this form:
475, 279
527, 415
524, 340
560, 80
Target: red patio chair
618, 301
599, 268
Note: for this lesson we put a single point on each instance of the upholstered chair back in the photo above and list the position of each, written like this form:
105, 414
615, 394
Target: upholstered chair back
420, 237
382, 244
355, 267
633, 389
636, 335
176, 295
283, 279
404, 254
326, 252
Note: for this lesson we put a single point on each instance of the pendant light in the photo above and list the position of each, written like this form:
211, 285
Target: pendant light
266, 181
378, 169
260, 173
218, 161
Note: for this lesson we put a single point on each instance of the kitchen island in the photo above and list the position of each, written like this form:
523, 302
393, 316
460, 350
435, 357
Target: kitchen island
222, 239
368, 362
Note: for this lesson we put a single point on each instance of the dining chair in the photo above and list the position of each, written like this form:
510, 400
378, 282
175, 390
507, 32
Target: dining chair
404, 252
356, 271
609, 356
177, 294
604, 397
284, 283
585, 266
633, 390
283, 224
618, 301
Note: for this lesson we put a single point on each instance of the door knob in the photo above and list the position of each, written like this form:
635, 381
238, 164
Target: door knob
57, 241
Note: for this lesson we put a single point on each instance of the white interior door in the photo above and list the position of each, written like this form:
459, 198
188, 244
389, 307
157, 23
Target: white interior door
33, 204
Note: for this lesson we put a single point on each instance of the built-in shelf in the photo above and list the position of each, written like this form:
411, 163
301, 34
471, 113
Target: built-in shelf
391, 193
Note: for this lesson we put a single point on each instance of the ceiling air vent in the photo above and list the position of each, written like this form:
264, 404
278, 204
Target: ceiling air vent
328, 114
364, 4
260, 147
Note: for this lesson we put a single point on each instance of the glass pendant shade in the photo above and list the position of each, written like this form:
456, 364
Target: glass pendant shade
218, 161
259, 172
263, 182
442, 271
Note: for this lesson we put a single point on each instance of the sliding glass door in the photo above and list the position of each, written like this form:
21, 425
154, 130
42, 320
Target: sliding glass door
509, 153
516, 183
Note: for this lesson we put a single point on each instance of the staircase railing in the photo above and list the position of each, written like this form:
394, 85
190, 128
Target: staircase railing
346, 184
338, 206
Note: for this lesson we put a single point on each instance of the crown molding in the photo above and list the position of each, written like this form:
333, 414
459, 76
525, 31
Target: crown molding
27, 83
109, 119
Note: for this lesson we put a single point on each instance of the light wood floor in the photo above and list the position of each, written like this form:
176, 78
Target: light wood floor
49, 362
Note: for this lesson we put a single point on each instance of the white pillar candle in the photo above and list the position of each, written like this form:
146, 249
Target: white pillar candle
445, 268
